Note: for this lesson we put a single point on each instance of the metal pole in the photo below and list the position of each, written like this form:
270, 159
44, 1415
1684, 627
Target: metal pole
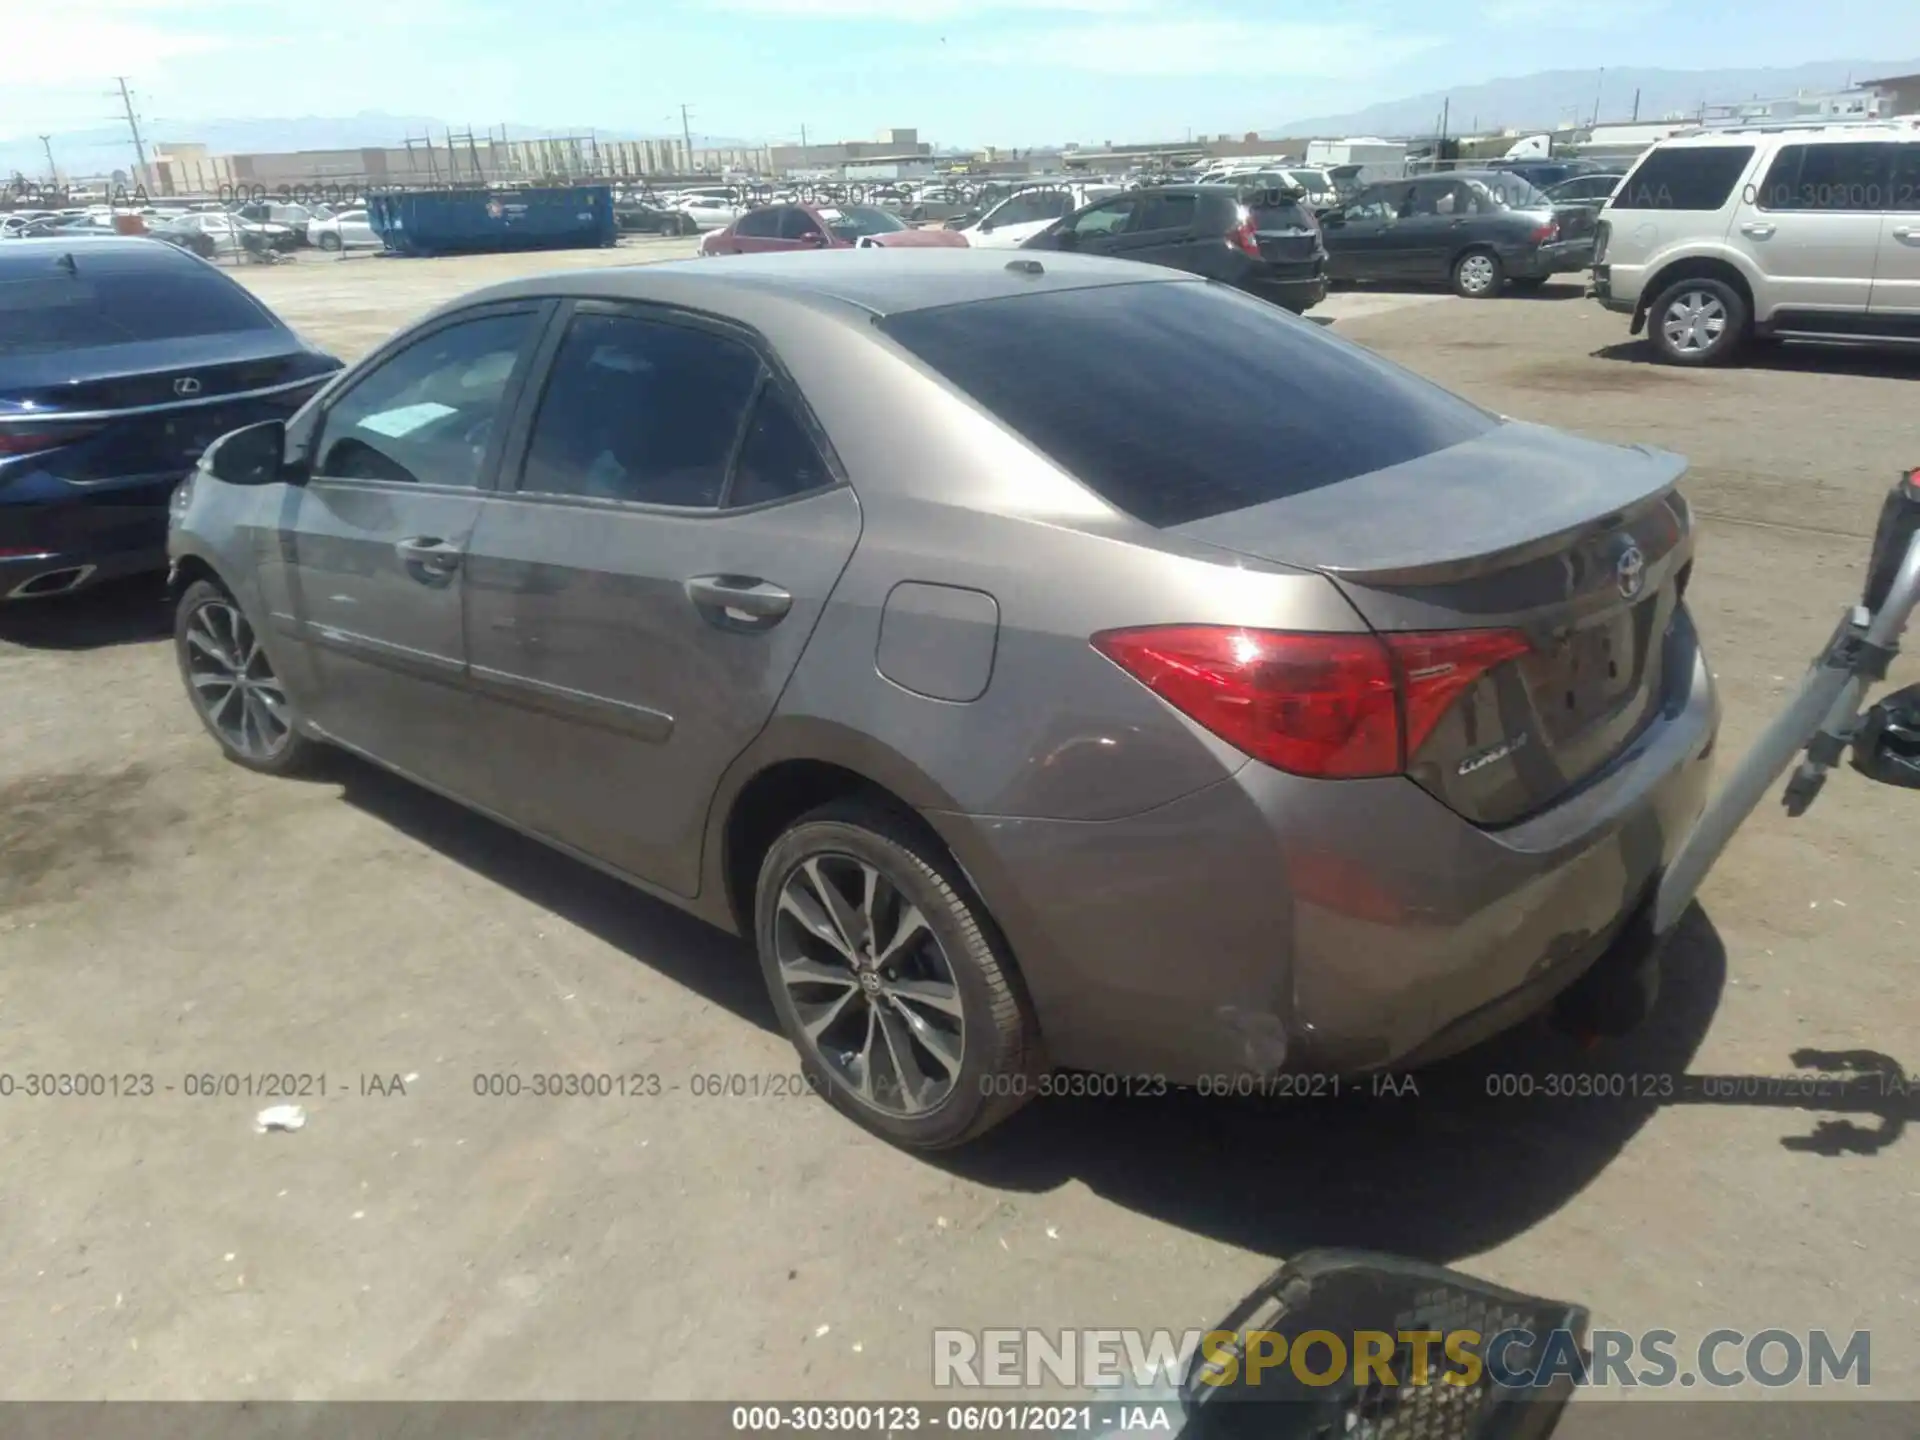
53, 171
686, 137
133, 124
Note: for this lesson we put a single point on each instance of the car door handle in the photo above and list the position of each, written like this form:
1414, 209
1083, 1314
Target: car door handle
736, 602
1758, 229
1906, 232
428, 553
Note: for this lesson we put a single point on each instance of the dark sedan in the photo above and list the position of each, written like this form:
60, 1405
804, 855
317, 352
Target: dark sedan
1478, 230
1263, 241
645, 217
120, 361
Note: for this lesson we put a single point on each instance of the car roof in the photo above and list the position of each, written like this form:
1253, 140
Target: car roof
876, 280
126, 252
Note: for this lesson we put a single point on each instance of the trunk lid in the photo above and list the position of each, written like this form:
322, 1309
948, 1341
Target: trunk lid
1580, 546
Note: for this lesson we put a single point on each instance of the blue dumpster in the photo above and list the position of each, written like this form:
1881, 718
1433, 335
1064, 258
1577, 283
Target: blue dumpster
467, 222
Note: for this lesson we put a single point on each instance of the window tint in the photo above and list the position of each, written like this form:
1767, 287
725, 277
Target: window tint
104, 300
1906, 178
1439, 197
641, 411
759, 224
797, 224
1167, 212
1107, 219
1372, 204
1690, 177
777, 456
1273, 213
1828, 177
425, 415
1179, 401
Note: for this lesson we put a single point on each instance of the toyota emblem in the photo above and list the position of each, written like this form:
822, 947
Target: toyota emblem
1630, 571
186, 385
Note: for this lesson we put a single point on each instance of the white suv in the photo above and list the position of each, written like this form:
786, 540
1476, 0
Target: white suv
1721, 237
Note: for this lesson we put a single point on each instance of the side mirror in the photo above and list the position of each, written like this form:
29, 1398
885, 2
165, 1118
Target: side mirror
254, 455
986, 227
1333, 217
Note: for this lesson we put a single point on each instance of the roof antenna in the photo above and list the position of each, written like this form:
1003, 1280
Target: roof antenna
65, 262
1026, 267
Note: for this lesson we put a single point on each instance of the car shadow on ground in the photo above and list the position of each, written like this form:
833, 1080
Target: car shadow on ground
1446, 1163
1552, 290
116, 612
714, 965
1793, 357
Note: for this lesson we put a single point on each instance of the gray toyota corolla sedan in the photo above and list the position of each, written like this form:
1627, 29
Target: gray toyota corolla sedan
1047, 661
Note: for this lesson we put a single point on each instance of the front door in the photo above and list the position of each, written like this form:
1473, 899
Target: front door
1812, 227
373, 545
1360, 245
637, 601
1895, 302
1098, 229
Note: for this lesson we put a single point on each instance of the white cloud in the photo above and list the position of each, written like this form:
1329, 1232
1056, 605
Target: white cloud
1280, 50
1568, 14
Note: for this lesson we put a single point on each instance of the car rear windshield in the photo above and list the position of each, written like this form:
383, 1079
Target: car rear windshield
1684, 177
105, 300
1276, 212
1175, 401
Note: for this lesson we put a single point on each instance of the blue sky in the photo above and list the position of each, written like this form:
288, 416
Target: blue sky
962, 71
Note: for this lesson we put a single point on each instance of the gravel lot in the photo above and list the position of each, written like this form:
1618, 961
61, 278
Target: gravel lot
163, 912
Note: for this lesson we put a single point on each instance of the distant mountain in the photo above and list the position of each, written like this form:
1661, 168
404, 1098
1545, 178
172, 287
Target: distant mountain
1544, 100
106, 148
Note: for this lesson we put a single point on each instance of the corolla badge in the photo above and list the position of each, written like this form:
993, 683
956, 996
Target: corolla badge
1630, 571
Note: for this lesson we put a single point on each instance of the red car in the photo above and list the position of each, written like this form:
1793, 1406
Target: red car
820, 227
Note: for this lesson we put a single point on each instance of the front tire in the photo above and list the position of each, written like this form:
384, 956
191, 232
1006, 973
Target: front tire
891, 980
1478, 275
1697, 322
329, 242
232, 685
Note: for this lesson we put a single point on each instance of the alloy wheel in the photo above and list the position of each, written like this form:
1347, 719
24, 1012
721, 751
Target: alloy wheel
1476, 273
1694, 322
870, 983
233, 683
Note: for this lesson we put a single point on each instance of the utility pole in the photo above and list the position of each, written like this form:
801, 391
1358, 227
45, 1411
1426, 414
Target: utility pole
803, 136
686, 137
1598, 87
133, 124
1446, 114
53, 171
1636, 103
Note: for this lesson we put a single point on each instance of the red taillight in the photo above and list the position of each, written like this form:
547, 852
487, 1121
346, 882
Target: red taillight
1330, 706
1547, 232
1243, 236
1436, 667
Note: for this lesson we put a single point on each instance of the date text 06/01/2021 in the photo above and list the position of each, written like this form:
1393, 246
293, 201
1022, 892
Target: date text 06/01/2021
1105, 1419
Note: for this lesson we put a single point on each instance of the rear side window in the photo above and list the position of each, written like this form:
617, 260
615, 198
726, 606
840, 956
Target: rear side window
1689, 177
1167, 212
778, 458
1829, 177
640, 411
1177, 401
102, 300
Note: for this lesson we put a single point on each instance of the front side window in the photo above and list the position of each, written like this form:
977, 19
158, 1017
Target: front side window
641, 411
426, 414
797, 224
758, 224
1107, 219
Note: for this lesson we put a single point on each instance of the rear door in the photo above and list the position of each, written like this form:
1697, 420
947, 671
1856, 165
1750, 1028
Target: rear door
372, 549
758, 231
1812, 226
1163, 230
1432, 227
1894, 305
637, 601
1360, 243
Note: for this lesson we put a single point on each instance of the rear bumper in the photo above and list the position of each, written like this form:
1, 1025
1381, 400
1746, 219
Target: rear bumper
105, 531
1602, 290
1270, 922
1295, 294
1555, 259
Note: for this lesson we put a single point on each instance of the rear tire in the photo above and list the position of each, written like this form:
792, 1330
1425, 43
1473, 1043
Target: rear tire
232, 685
916, 1028
1478, 275
1700, 321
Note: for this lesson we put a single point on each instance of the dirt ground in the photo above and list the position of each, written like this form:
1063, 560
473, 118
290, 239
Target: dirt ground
164, 913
